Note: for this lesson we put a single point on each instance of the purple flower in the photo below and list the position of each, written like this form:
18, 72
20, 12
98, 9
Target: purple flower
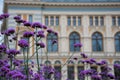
54, 41
56, 33
44, 27
11, 31
49, 30
5, 15
23, 43
19, 21
40, 34
111, 76
36, 24
17, 17
41, 44
104, 62
92, 60
27, 24
83, 55
96, 77
28, 34
78, 45
12, 52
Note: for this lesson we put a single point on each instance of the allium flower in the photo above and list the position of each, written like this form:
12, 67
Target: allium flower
41, 44
17, 17
36, 24
111, 76
23, 43
5, 15
40, 34
83, 55
12, 52
11, 31
49, 30
54, 41
27, 24
78, 45
44, 27
28, 34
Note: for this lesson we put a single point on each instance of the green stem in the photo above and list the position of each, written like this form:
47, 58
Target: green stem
27, 61
11, 63
24, 60
37, 53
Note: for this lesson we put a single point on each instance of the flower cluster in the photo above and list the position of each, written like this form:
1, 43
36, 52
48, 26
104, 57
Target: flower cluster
2, 48
23, 43
28, 34
3, 16
37, 25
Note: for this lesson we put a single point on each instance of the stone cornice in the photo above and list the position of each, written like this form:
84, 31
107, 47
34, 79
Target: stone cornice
22, 2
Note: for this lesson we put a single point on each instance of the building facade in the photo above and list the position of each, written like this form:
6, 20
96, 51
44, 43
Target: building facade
94, 23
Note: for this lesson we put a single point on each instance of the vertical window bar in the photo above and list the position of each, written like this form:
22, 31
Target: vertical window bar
30, 18
46, 20
69, 21
57, 21
52, 20
96, 21
74, 21
79, 21
101, 21
114, 21
91, 21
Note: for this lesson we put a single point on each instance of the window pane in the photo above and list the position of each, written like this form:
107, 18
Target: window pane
117, 42
74, 21
96, 21
52, 21
116, 71
80, 77
118, 21
57, 21
74, 38
69, 21
46, 20
113, 21
30, 18
97, 43
101, 21
79, 21
57, 74
50, 46
91, 21
70, 72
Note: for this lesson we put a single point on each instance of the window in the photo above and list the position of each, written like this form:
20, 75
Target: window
69, 21
57, 21
70, 70
52, 21
46, 20
47, 70
97, 42
114, 21
96, 21
80, 68
117, 42
74, 21
57, 67
50, 46
74, 38
101, 21
119, 21
103, 76
117, 70
91, 21
30, 18
79, 21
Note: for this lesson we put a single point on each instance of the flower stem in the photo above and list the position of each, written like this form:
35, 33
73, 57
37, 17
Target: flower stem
27, 61
37, 53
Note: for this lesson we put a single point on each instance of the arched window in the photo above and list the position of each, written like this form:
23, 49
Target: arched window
51, 46
97, 42
47, 68
117, 42
80, 68
117, 70
57, 68
70, 70
74, 38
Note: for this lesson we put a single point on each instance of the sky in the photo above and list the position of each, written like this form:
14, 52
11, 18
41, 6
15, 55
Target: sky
1, 7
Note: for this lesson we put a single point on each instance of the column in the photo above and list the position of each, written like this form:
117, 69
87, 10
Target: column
64, 73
